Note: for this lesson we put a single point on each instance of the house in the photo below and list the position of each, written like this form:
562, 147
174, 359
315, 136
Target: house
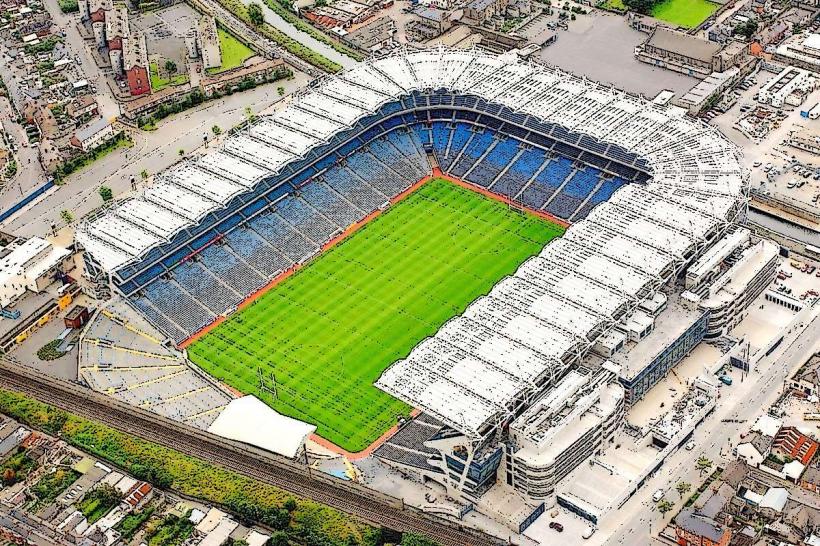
82, 106
116, 32
374, 36
754, 448
791, 442
679, 51
138, 496
773, 502
207, 42
135, 64
478, 11
93, 135
810, 479
692, 529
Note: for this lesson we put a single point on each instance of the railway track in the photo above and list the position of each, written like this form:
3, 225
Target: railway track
365, 504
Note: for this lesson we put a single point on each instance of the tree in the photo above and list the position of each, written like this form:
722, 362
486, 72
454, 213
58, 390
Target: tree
278, 538
216, 129
106, 194
746, 29
664, 506
181, 152
249, 115
412, 539
255, 14
170, 67
640, 6
683, 488
280, 90
9, 476
66, 216
703, 464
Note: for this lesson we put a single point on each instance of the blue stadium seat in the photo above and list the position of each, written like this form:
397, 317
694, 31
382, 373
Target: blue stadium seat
477, 146
227, 266
307, 220
177, 305
538, 192
582, 183
331, 204
279, 234
173, 331
354, 189
519, 173
204, 287
608, 187
252, 248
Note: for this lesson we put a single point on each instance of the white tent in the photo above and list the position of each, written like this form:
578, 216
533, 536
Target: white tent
251, 421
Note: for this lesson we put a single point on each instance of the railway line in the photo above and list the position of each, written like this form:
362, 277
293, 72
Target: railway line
365, 504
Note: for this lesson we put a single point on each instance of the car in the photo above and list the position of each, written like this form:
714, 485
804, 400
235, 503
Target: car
557, 526
690, 446
756, 164
658, 495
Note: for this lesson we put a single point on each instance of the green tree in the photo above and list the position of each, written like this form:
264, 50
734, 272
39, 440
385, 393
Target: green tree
746, 29
249, 115
170, 67
144, 174
640, 6
664, 506
703, 464
683, 488
255, 14
278, 538
280, 90
216, 129
181, 152
67, 216
106, 194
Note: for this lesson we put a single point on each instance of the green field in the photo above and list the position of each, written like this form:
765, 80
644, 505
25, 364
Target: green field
159, 82
329, 331
684, 13
234, 52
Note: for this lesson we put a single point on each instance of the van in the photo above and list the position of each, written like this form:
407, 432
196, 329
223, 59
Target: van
658, 495
690, 445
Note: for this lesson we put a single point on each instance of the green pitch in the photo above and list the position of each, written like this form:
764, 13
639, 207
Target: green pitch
684, 13
329, 331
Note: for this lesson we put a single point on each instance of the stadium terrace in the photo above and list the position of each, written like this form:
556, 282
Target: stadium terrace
645, 189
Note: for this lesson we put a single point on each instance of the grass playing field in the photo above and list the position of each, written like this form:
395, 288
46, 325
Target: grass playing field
684, 13
328, 331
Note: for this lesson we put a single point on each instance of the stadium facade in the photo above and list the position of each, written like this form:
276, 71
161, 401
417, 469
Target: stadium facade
646, 189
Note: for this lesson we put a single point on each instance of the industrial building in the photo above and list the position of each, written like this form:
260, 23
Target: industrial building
30, 265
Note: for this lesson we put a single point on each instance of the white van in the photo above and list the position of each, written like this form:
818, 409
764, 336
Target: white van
658, 495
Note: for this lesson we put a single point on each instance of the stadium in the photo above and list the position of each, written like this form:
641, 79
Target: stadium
445, 231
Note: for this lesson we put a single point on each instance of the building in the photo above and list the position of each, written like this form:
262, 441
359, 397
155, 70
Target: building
76, 317
754, 448
116, 32
680, 52
790, 86
479, 11
801, 51
373, 37
207, 41
791, 442
81, 107
692, 529
703, 272
135, 64
699, 97
93, 135
731, 294
31, 265
575, 420
97, 13
655, 340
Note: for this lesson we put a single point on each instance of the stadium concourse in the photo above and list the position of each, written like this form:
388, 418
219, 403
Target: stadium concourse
646, 189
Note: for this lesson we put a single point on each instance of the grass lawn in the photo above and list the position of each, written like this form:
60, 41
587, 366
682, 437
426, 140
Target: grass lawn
158, 82
234, 52
684, 13
328, 332
614, 4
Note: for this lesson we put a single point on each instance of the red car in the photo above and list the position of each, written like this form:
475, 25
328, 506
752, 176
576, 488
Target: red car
557, 526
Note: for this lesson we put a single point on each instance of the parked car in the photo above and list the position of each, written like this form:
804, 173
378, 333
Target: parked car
557, 526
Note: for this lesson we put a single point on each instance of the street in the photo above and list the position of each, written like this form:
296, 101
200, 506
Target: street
638, 519
152, 151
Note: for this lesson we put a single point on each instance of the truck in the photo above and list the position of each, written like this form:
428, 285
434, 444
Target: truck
726, 380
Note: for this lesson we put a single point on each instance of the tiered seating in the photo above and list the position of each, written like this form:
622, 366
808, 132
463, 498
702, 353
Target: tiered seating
177, 305
332, 205
575, 191
204, 287
461, 135
253, 249
374, 172
477, 146
608, 187
538, 192
307, 220
227, 266
278, 233
485, 172
172, 330
519, 173
441, 137
354, 189
407, 143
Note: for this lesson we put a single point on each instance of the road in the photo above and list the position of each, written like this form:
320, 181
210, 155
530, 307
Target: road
153, 151
30, 173
351, 498
638, 519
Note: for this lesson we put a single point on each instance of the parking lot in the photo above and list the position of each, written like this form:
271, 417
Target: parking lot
601, 46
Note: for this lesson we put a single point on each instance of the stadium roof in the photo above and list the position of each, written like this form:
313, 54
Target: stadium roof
603, 266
